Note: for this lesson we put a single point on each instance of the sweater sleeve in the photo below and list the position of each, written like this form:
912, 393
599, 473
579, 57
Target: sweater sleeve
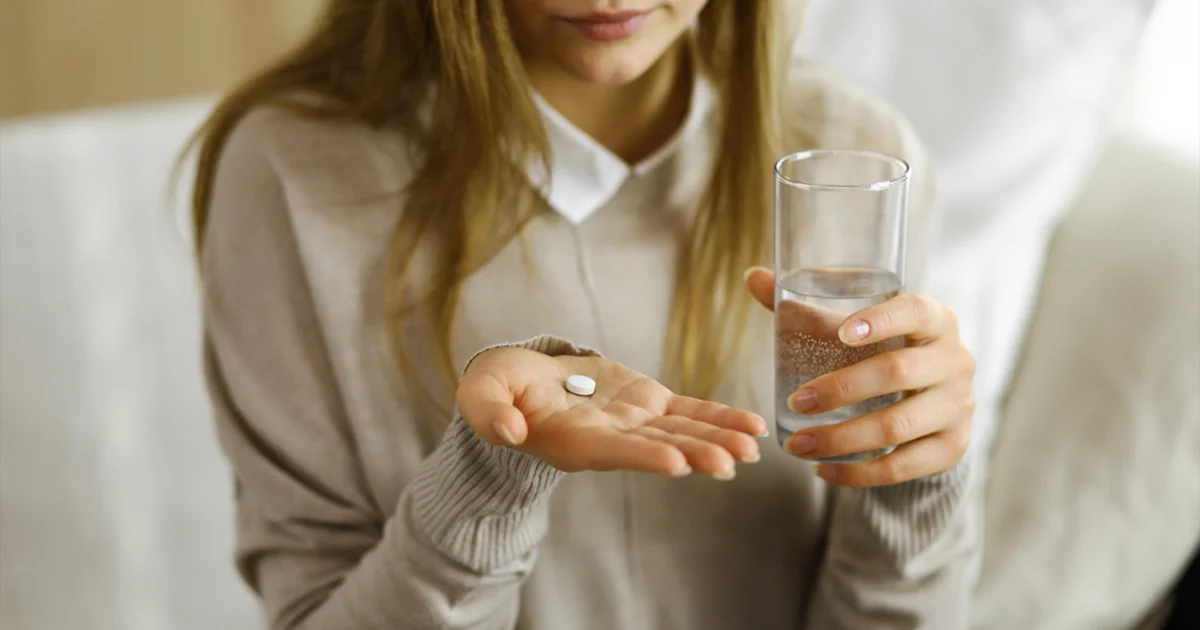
311, 540
899, 557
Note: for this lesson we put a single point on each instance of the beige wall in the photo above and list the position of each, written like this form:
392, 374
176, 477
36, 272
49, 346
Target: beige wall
66, 54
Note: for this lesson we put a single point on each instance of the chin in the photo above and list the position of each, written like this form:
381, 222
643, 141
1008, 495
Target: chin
616, 74
610, 67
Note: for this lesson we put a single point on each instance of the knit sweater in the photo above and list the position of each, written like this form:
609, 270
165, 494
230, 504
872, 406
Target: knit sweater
357, 510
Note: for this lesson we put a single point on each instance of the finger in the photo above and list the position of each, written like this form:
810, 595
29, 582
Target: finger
925, 457
900, 370
910, 419
606, 449
487, 404
701, 455
739, 445
718, 415
761, 282
910, 315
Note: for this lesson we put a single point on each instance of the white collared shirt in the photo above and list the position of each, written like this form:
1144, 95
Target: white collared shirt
585, 175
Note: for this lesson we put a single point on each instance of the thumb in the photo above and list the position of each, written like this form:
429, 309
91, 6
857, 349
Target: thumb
486, 404
761, 282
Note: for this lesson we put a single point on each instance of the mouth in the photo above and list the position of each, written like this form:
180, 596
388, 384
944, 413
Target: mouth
610, 26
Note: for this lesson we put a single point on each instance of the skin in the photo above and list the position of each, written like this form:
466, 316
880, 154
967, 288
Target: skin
630, 95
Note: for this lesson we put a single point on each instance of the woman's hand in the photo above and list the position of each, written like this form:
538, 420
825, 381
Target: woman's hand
516, 397
930, 427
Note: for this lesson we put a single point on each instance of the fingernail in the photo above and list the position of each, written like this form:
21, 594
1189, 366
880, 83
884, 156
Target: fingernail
803, 400
802, 444
725, 476
746, 275
753, 458
854, 330
765, 433
505, 434
682, 472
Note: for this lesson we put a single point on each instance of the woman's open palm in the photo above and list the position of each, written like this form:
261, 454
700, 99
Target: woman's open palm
516, 397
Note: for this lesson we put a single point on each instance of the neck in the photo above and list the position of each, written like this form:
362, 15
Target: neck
631, 120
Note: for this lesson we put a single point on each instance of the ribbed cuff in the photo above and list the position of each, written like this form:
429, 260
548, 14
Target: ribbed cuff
483, 505
902, 522
477, 503
546, 344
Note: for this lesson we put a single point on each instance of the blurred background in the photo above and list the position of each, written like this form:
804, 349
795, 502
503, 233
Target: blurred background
61, 55
114, 499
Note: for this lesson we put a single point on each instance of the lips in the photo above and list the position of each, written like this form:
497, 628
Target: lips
608, 27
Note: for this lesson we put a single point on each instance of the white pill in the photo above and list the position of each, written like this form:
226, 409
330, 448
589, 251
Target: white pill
581, 385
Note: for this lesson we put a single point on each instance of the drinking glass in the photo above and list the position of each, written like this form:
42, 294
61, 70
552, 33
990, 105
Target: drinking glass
840, 237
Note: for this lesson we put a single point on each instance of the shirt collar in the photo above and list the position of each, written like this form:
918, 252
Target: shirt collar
584, 175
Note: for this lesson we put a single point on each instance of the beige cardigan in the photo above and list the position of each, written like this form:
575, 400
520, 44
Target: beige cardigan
354, 513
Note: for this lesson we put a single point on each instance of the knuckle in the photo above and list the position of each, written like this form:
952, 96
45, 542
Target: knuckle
843, 388
968, 364
951, 318
886, 319
899, 368
970, 404
895, 427
960, 441
923, 306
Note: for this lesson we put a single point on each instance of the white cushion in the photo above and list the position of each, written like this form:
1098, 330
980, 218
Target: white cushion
1094, 502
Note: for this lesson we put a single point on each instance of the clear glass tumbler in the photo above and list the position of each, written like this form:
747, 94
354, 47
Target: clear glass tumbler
840, 237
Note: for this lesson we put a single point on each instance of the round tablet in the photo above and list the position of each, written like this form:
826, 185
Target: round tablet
581, 385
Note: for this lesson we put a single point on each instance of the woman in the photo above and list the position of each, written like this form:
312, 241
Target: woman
423, 185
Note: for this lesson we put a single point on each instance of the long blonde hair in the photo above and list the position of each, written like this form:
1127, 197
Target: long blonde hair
373, 60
